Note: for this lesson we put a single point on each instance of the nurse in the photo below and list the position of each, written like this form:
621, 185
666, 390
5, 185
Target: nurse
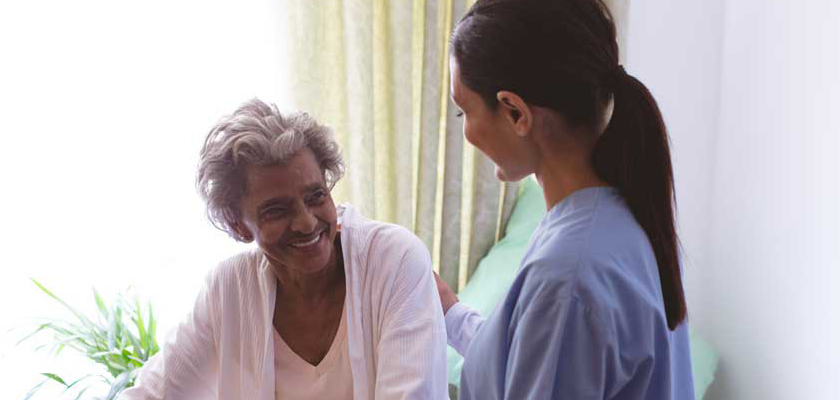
597, 310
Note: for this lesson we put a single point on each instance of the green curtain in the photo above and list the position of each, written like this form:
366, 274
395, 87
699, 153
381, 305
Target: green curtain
376, 71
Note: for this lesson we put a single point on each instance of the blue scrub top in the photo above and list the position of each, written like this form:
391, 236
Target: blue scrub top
584, 318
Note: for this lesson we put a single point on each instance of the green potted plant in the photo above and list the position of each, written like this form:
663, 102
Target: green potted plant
120, 338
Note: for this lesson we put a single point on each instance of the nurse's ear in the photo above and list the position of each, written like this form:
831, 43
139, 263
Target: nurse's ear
516, 112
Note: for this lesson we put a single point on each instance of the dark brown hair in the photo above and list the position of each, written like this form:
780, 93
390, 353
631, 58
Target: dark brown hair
563, 55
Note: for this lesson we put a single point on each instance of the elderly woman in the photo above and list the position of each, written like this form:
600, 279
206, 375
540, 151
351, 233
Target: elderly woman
329, 306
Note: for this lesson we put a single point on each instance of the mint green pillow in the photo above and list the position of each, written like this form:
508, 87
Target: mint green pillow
704, 361
497, 270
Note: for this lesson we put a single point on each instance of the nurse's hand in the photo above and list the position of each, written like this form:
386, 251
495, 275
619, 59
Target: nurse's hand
447, 296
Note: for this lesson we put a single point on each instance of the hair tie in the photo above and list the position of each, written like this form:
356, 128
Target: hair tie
619, 71
613, 77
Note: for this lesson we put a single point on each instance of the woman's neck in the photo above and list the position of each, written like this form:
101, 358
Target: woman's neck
561, 173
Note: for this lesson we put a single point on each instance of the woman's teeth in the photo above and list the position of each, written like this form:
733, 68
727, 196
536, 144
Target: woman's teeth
309, 243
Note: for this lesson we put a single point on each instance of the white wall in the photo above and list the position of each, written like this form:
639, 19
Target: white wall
750, 90
772, 283
104, 107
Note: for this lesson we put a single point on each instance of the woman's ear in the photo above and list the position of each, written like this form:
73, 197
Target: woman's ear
516, 111
241, 232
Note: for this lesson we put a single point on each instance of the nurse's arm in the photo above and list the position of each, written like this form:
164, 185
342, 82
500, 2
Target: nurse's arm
462, 322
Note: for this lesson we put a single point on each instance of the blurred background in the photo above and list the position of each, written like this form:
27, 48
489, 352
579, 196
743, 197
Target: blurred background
105, 104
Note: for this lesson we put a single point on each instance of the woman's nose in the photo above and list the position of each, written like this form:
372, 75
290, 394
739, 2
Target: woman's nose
304, 222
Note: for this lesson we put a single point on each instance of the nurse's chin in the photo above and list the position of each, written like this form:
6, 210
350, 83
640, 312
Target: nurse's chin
505, 175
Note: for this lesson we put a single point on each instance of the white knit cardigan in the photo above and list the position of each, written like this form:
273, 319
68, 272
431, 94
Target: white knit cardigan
395, 327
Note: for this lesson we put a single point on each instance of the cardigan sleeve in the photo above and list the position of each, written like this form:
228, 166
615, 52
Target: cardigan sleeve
186, 365
411, 353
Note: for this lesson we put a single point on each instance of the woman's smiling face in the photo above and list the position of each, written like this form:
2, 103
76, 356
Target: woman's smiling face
288, 211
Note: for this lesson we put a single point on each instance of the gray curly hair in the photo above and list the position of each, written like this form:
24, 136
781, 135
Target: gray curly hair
257, 134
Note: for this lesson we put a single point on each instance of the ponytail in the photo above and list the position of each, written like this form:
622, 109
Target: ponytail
565, 55
633, 155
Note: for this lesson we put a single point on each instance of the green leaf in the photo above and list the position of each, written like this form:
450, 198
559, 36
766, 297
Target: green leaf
120, 383
138, 349
152, 346
79, 380
141, 330
55, 378
104, 353
119, 367
137, 361
33, 333
100, 304
81, 392
78, 315
35, 389
112, 327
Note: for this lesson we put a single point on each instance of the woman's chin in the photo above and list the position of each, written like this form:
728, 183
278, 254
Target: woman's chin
304, 259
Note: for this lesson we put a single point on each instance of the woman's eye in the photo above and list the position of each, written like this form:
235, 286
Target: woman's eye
317, 197
459, 114
273, 212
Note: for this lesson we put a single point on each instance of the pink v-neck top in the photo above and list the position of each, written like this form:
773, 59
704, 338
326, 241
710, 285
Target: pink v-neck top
297, 379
